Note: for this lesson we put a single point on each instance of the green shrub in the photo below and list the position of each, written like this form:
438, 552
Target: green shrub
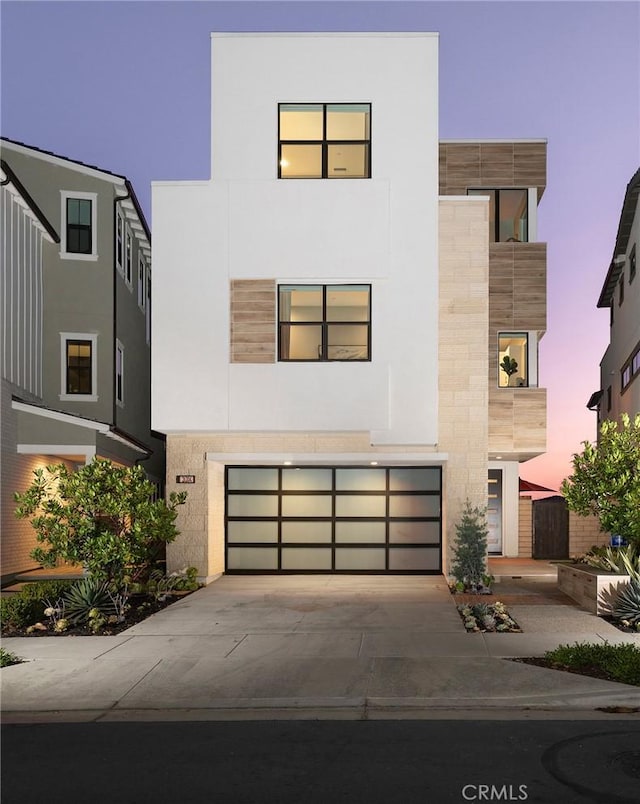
7, 658
23, 608
45, 590
615, 662
85, 597
18, 612
102, 516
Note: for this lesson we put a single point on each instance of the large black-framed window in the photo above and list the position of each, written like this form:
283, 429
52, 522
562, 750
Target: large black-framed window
79, 357
324, 140
508, 214
333, 519
79, 226
324, 322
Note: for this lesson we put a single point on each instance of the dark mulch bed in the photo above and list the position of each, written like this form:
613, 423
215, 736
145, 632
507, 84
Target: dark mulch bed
141, 607
590, 671
540, 661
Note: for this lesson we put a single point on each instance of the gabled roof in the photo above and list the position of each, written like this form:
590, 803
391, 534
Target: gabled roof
11, 178
622, 240
108, 175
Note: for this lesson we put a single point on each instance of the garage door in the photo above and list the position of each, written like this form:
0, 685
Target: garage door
334, 519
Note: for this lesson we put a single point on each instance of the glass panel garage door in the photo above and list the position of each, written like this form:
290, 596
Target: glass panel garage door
334, 519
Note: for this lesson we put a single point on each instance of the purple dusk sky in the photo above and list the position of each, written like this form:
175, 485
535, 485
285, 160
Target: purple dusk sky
125, 86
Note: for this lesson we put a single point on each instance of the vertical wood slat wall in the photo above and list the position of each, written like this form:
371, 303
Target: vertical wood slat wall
253, 321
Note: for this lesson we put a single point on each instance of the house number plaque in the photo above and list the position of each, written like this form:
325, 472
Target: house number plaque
185, 478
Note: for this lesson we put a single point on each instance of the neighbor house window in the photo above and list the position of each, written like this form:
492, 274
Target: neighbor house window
128, 258
78, 366
508, 215
324, 140
621, 290
119, 373
632, 265
119, 242
609, 398
513, 350
631, 368
78, 228
142, 281
324, 322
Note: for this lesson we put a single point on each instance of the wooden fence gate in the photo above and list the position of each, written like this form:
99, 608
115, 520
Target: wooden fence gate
550, 528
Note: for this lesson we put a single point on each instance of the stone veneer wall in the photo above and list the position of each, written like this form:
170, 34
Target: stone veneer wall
584, 532
525, 527
463, 360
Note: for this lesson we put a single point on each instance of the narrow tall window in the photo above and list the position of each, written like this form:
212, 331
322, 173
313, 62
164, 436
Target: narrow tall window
621, 290
513, 348
508, 214
79, 367
324, 141
128, 258
632, 265
325, 322
119, 373
79, 226
119, 243
142, 273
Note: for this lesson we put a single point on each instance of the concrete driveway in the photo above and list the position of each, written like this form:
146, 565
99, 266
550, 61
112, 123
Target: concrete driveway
321, 646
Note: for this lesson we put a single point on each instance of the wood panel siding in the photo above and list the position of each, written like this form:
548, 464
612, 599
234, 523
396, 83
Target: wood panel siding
517, 422
465, 165
517, 293
253, 321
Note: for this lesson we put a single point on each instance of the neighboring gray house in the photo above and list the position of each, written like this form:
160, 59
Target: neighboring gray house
76, 355
620, 365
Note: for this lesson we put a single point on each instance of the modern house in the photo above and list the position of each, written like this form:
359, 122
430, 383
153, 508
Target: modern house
76, 328
620, 365
332, 310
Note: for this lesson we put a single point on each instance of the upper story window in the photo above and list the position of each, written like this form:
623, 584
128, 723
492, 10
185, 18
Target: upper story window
119, 242
78, 378
632, 264
324, 322
508, 215
78, 228
324, 140
631, 369
621, 290
513, 349
128, 257
142, 282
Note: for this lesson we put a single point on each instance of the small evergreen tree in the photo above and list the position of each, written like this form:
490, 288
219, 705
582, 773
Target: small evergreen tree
102, 516
470, 549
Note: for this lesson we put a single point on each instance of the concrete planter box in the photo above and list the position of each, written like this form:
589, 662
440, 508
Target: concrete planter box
594, 589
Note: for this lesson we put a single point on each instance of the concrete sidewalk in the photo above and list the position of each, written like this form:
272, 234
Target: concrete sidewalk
315, 646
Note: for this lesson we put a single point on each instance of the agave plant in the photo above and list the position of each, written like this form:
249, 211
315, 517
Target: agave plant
85, 596
627, 605
622, 560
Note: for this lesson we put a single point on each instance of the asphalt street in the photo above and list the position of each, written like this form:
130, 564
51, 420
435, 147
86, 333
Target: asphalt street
281, 762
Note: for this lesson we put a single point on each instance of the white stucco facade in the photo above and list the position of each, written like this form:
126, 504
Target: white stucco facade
246, 223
